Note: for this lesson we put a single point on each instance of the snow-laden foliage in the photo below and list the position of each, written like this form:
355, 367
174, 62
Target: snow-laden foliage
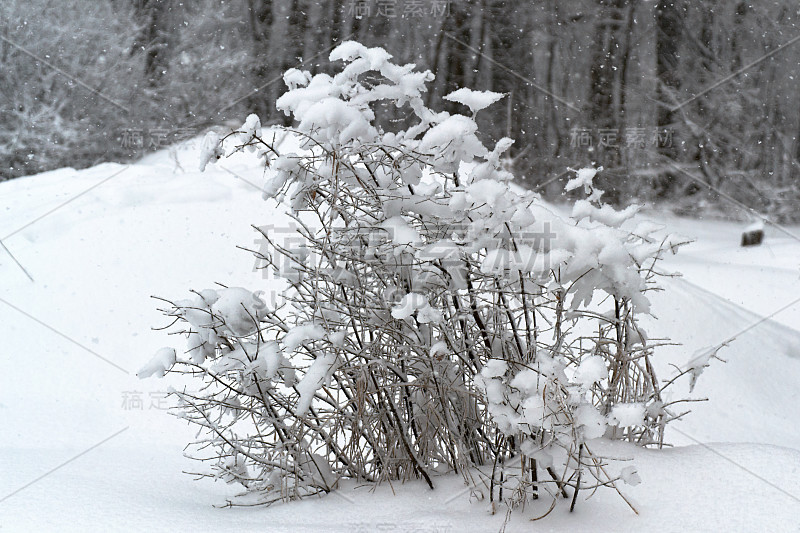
436, 319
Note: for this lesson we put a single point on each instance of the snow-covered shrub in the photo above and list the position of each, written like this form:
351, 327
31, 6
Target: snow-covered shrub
436, 319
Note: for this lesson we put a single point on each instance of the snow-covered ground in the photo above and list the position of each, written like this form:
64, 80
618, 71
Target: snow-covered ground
85, 445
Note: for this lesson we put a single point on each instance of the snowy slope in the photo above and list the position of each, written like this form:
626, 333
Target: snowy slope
727, 291
761, 279
112, 235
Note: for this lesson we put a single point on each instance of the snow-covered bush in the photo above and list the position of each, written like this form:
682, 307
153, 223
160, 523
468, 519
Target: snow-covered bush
436, 319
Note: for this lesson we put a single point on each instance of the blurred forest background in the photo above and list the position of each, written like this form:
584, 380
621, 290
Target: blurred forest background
691, 103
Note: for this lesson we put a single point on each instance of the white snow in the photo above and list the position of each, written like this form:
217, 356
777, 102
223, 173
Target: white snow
87, 446
592, 423
400, 232
240, 310
494, 368
210, 150
591, 370
161, 362
294, 78
316, 376
474, 100
630, 475
414, 302
605, 214
583, 178
300, 334
458, 134
627, 414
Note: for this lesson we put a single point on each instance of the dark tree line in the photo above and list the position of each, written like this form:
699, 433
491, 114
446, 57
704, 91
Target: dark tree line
667, 96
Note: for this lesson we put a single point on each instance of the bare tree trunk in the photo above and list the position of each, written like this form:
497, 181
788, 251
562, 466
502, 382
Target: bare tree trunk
625, 59
604, 76
261, 18
456, 70
669, 21
316, 37
510, 36
154, 40
554, 129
